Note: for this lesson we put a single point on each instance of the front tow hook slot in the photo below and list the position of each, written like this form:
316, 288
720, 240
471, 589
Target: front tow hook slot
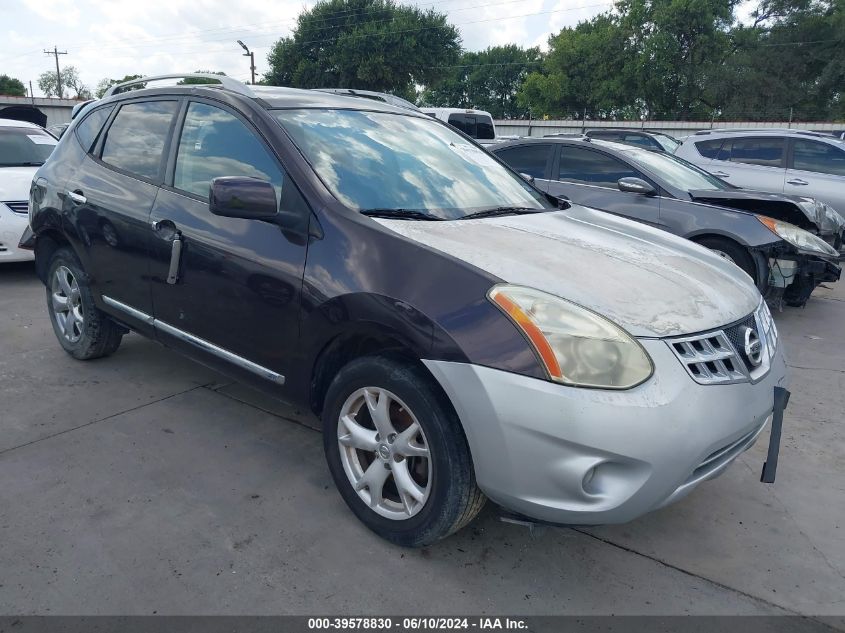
175, 258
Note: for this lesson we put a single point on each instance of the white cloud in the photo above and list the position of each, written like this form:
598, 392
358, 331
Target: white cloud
113, 38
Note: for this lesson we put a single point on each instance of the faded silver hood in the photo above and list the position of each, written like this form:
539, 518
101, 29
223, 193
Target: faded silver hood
648, 281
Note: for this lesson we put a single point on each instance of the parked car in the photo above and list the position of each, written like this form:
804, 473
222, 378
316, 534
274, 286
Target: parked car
460, 335
647, 139
369, 94
24, 147
783, 161
664, 191
477, 124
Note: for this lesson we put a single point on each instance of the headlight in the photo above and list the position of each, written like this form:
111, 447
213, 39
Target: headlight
576, 346
801, 239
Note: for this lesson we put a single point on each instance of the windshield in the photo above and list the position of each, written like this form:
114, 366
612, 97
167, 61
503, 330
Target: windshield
677, 172
24, 146
667, 142
385, 161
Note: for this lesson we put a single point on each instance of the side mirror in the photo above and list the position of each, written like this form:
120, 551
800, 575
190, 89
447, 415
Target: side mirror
240, 197
635, 185
527, 177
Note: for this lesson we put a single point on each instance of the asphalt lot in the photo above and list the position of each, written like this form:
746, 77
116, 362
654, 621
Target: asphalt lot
145, 483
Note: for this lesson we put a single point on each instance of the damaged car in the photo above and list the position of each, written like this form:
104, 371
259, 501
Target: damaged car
460, 334
754, 230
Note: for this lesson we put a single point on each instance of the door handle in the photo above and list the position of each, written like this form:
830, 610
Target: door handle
175, 257
77, 197
721, 174
797, 181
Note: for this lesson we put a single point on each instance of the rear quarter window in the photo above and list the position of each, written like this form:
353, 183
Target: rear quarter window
89, 128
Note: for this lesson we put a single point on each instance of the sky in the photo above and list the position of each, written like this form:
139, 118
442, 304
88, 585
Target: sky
114, 38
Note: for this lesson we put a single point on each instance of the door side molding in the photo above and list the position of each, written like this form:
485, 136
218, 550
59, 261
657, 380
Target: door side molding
196, 341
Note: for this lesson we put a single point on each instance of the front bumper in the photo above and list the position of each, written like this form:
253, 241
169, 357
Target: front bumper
589, 456
12, 229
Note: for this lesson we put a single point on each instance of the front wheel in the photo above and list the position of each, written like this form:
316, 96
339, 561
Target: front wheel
397, 452
734, 253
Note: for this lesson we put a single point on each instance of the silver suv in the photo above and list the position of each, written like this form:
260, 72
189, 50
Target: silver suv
784, 161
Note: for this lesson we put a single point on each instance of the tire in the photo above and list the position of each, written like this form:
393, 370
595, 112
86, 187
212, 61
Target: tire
734, 253
442, 496
83, 331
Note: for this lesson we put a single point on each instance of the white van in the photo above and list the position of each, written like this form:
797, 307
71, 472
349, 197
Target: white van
475, 123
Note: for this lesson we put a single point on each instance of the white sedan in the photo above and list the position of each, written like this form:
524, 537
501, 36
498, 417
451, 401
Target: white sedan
23, 149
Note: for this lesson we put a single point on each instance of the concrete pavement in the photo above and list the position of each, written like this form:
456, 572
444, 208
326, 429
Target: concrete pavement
145, 483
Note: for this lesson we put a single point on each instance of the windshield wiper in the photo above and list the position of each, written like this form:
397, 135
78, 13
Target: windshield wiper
26, 164
489, 213
400, 214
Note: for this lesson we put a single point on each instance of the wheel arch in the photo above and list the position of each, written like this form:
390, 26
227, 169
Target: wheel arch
760, 260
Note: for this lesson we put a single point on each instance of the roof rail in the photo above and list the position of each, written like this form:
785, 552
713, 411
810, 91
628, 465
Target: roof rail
746, 130
226, 82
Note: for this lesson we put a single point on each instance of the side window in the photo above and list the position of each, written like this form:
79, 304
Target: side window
592, 168
758, 151
709, 149
818, 157
89, 128
136, 138
641, 141
527, 159
216, 143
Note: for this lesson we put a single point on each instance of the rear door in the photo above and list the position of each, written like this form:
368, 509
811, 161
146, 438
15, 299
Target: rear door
817, 169
237, 292
533, 159
752, 162
110, 198
590, 177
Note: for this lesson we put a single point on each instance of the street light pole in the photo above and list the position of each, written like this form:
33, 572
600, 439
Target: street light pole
251, 60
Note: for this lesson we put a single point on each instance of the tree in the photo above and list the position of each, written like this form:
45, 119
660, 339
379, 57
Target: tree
106, 83
586, 72
70, 80
788, 64
365, 44
488, 80
11, 86
197, 80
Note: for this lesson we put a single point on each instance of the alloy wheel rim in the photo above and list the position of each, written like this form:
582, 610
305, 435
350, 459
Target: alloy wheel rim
384, 453
66, 303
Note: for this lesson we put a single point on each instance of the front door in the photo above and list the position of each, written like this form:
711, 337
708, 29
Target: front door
590, 177
236, 293
817, 169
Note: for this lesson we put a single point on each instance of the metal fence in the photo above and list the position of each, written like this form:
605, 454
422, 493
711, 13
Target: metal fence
525, 127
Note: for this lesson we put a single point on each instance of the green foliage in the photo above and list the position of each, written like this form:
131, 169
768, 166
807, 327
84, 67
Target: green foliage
365, 44
72, 86
690, 59
11, 86
197, 80
487, 80
106, 83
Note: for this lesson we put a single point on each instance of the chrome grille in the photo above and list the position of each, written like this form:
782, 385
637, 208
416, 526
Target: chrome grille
718, 356
20, 207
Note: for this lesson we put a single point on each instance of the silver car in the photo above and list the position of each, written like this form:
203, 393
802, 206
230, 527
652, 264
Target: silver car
783, 161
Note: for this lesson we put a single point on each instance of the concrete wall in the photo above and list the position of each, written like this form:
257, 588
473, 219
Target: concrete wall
57, 110
673, 128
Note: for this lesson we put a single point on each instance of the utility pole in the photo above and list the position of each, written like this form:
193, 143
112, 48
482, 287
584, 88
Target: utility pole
251, 60
55, 53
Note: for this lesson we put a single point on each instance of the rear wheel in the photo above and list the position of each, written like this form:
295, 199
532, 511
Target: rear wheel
734, 253
397, 452
83, 331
